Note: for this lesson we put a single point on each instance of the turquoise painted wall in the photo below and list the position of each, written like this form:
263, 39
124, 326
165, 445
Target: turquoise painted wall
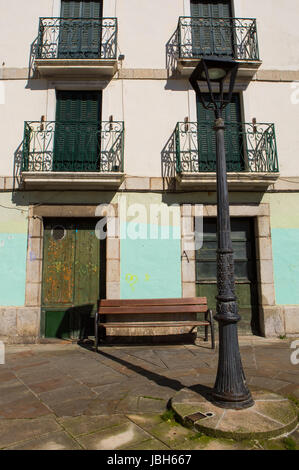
150, 268
285, 245
13, 248
13, 251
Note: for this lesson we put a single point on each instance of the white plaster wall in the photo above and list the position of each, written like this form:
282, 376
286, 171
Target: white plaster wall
151, 110
19, 28
272, 103
21, 104
278, 32
109, 8
144, 29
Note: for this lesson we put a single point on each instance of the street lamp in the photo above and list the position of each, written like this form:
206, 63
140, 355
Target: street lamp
230, 390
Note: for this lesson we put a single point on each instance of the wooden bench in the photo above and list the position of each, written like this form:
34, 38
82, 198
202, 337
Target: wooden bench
143, 307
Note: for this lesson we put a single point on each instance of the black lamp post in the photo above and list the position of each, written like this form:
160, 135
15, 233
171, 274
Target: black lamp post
230, 390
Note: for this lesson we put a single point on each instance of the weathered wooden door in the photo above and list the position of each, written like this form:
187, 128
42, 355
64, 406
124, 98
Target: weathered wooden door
212, 35
80, 29
77, 131
73, 264
243, 241
233, 136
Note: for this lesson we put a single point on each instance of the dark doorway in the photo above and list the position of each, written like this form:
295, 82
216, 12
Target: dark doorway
243, 240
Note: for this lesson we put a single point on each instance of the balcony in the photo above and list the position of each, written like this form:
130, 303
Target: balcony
74, 155
234, 38
251, 155
77, 47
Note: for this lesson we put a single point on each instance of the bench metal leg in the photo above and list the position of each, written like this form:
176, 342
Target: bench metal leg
96, 332
206, 327
211, 320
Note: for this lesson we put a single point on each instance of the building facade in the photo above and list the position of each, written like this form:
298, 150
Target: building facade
101, 130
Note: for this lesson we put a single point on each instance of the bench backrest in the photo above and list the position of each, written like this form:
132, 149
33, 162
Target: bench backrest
136, 306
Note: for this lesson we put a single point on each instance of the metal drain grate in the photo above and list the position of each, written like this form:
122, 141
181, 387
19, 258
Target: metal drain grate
197, 416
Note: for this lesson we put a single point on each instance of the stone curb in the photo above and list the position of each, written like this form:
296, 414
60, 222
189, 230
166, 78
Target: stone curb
236, 424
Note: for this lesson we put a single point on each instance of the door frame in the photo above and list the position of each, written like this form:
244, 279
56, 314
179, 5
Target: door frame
35, 250
69, 308
264, 262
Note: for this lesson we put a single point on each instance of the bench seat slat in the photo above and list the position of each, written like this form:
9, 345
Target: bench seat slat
153, 324
153, 309
152, 302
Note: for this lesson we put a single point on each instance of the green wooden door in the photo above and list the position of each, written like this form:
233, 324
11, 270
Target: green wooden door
77, 131
80, 29
213, 35
243, 241
232, 135
73, 264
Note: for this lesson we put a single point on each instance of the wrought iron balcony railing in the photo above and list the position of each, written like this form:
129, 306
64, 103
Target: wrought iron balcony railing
249, 147
77, 38
73, 146
217, 37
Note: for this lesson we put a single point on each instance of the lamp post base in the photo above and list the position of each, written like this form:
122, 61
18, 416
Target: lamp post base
225, 401
264, 420
230, 389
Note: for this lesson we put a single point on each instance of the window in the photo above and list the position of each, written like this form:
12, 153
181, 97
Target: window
77, 132
233, 137
81, 29
212, 28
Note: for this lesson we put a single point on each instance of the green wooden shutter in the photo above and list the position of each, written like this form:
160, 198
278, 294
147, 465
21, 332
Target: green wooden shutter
77, 133
81, 8
232, 135
210, 37
80, 37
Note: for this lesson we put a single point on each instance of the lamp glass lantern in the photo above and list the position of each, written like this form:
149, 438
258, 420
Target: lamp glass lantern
215, 73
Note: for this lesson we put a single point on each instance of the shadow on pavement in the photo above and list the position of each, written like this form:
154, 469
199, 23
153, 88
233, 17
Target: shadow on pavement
161, 380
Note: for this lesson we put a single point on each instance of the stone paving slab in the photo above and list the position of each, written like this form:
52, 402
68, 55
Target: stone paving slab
54, 441
73, 407
29, 407
73, 392
89, 424
118, 437
18, 430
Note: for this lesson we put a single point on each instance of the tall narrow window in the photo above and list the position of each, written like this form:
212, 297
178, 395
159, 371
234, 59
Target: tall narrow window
77, 132
81, 29
212, 28
233, 137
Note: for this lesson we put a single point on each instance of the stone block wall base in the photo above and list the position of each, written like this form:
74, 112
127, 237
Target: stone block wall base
279, 320
272, 321
291, 316
19, 325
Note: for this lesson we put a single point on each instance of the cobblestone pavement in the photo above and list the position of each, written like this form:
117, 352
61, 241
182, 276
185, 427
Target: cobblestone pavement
65, 396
